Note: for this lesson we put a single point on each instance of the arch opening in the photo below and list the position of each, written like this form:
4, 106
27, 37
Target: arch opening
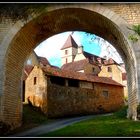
47, 25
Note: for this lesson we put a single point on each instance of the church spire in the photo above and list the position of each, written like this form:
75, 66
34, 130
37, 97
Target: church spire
69, 43
69, 50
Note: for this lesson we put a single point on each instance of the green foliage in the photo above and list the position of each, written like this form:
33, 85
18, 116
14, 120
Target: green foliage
136, 29
135, 37
33, 115
122, 113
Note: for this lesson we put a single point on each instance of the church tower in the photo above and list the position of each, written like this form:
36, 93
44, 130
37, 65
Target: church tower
69, 50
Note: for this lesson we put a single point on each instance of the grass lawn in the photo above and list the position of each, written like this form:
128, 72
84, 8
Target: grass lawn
116, 125
32, 117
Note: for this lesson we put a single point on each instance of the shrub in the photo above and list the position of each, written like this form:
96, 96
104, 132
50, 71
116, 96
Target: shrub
122, 113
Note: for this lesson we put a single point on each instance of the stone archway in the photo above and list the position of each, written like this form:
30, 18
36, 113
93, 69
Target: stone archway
22, 39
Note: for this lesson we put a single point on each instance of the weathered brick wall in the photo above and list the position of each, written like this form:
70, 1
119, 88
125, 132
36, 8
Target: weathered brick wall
129, 11
67, 101
116, 96
5, 26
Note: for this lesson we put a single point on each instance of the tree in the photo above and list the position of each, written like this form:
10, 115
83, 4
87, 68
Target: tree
107, 49
134, 37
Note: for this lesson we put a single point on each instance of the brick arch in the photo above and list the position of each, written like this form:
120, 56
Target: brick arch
22, 39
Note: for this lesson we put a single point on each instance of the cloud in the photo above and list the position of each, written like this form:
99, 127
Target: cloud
51, 47
110, 52
56, 61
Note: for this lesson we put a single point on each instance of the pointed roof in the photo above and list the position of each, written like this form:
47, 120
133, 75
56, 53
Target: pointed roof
69, 43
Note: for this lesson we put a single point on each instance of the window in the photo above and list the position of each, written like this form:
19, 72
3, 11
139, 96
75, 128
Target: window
93, 69
57, 80
66, 51
109, 69
73, 83
66, 60
105, 94
23, 91
35, 79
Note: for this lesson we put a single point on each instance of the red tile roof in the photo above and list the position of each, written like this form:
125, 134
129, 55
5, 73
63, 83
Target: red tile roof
99, 59
69, 43
110, 61
79, 76
76, 65
92, 59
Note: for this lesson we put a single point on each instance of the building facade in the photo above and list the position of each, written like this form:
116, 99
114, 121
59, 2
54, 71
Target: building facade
82, 61
60, 93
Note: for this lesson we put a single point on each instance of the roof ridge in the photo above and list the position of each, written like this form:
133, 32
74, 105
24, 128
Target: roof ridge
70, 42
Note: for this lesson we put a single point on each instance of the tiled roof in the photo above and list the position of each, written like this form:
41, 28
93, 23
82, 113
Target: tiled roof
110, 61
79, 76
69, 43
75, 66
43, 60
93, 57
27, 70
79, 65
99, 59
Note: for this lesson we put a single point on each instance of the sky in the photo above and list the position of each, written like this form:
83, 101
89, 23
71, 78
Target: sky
50, 48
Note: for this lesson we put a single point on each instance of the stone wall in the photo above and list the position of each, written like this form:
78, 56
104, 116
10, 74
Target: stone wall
67, 101
129, 11
35, 86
